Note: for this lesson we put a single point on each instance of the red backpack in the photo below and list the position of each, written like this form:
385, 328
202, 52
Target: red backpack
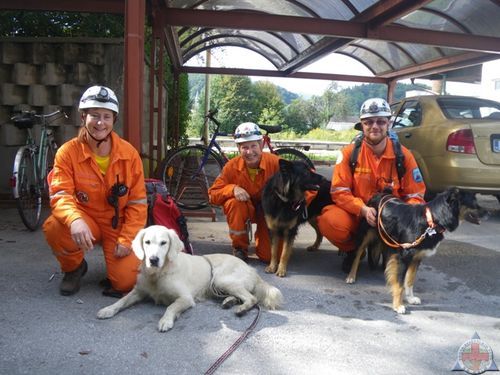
162, 210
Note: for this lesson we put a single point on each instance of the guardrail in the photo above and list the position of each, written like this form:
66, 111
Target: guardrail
228, 142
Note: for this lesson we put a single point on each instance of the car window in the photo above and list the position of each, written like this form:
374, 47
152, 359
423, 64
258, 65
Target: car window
469, 108
409, 115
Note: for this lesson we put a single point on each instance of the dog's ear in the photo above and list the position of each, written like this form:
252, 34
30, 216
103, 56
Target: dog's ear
282, 184
285, 165
137, 244
453, 195
175, 246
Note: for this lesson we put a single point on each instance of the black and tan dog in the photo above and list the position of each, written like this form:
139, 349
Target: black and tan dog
284, 205
408, 233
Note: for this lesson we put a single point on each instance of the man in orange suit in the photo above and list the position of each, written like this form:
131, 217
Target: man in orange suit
238, 190
374, 171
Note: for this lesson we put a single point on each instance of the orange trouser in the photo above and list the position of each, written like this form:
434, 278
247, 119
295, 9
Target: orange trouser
339, 227
121, 272
237, 214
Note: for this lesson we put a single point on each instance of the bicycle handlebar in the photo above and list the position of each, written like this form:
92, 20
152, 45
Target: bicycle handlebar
30, 116
210, 115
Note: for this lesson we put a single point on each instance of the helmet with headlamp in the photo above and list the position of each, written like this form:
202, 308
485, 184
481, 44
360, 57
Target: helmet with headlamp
246, 132
99, 97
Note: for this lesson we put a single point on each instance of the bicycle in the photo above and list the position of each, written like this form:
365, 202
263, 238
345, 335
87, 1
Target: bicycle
32, 164
189, 171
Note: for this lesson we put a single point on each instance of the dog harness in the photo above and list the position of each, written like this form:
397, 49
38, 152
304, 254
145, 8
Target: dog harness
431, 230
297, 205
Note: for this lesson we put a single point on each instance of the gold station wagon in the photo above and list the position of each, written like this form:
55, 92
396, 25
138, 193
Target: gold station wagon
455, 140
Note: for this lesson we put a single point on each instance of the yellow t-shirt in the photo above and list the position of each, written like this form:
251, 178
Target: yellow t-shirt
102, 162
253, 172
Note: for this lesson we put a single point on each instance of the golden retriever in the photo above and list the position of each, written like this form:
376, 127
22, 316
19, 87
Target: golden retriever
178, 280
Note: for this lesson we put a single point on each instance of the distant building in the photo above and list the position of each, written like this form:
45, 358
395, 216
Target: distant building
345, 124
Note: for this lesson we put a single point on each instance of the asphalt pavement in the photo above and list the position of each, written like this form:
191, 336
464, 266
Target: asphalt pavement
325, 326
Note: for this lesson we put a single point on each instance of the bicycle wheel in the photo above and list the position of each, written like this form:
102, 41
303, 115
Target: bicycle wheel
293, 154
185, 180
26, 190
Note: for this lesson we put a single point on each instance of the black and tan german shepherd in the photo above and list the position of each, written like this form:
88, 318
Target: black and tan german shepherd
408, 233
284, 205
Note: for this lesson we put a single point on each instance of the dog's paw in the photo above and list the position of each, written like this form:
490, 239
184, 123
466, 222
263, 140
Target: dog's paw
106, 312
229, 302
165, 324
413, 300
312, 248
400, 309
350, 279
271, 268
240, 310
281, 272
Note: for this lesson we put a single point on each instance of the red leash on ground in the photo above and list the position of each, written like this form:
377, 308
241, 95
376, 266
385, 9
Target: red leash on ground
233, 347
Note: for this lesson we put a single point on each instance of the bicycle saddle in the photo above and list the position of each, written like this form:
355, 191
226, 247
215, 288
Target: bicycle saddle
271, 129
24, 120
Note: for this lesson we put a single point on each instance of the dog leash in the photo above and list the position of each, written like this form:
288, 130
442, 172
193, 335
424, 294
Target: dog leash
391, 242
235, 345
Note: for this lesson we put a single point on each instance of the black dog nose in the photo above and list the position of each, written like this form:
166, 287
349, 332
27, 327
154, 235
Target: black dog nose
154, 261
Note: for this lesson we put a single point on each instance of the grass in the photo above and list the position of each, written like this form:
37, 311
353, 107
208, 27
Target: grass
319, 135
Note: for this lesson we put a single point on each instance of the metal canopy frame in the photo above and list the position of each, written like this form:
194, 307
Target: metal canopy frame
395, 39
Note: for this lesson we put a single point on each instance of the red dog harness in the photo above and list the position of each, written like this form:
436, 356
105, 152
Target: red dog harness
389, 241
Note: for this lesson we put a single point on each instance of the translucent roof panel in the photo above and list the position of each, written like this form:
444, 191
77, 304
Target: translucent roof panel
269, 51
282, 7
481, 17
291, 51
460, 16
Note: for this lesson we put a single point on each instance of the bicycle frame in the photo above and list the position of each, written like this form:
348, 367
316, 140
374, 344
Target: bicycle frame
211, 145
267, 142
39, 153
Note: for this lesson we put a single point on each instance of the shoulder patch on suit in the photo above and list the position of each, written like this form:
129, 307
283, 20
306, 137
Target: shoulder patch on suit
340, 156
417, 176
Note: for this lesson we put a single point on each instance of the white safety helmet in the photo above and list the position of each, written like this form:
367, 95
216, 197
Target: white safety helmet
246, 132
374, 107
99, 97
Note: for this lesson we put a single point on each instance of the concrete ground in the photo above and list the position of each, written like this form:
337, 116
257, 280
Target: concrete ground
325, 326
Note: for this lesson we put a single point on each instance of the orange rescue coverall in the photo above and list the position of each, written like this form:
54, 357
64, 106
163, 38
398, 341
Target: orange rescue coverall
237, 213
79, 190
350, 192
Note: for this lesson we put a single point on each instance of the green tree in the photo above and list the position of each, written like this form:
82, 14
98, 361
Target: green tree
267, 104
301, 116
62, 24
232, 95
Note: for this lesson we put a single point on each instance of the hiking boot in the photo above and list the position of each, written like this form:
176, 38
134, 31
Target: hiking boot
242, 254
348, 261
70, 283
109, 291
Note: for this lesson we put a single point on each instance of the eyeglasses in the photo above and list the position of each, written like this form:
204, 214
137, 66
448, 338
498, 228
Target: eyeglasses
117, 190
243, 135
379, 122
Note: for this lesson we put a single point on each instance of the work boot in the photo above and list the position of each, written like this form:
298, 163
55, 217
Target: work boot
242, 254
109, 291
70, 283
348, 261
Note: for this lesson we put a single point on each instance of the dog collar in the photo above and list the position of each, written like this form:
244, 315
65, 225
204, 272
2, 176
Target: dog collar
296, 205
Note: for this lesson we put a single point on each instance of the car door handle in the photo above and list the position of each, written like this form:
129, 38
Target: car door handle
407, 135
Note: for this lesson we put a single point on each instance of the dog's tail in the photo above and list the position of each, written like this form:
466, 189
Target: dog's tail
269, 296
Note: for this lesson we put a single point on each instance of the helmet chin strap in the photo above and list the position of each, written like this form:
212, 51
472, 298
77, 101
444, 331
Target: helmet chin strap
99, 141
